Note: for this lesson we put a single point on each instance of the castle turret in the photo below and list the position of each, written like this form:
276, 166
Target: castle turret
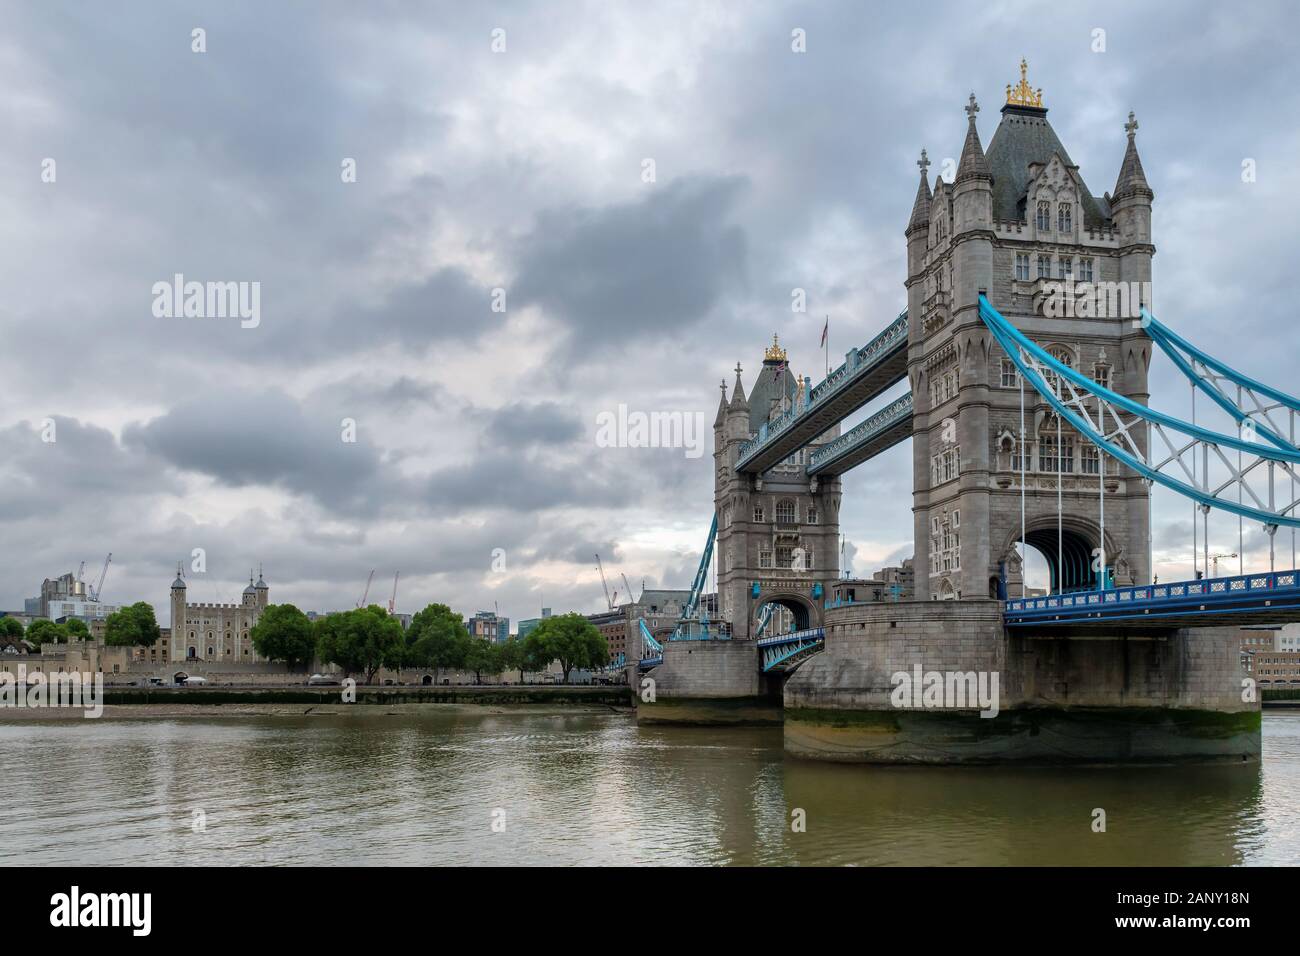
178, 613
263, 591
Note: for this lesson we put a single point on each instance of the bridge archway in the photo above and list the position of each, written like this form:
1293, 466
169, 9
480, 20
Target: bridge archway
804, 612
1066, 549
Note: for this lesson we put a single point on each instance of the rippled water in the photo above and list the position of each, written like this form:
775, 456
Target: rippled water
368, 787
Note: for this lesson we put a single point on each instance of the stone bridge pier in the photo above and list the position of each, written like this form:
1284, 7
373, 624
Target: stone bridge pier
1123, 694
708, 682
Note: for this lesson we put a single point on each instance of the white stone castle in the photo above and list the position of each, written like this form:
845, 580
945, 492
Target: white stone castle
216, 633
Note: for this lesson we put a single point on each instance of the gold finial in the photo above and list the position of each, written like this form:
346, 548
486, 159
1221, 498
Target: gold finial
774, 353
1022, 94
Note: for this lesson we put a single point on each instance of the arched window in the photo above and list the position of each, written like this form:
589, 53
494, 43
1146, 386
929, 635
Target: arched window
785, 511
1044, 221
1064, 215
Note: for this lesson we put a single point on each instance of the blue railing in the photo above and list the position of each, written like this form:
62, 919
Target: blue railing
862, 360
873, 427
1266, 590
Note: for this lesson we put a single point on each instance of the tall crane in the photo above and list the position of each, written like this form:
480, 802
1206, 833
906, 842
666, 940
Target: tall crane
96, 594
81, 571
608, 600
1217, 557
392, 601
366, 593
630, 599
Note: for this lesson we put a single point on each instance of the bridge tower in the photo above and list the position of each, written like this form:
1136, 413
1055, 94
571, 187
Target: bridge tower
778, 532
1072, 271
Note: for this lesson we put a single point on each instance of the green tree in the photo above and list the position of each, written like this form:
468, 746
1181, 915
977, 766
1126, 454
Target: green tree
283, 633
437, 638
362, 641
483, 657
77, 629
513, 657
570, 639
132, 626
11, 627
44, 631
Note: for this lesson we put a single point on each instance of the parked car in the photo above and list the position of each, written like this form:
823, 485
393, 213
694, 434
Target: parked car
195, 680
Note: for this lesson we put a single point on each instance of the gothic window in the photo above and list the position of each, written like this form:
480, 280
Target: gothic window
1044, 267
945, 466
758, 513
1085, 270
1091, 458
1022, 266
765, 559
1064, 267
785, 511
1053, 457
1044, 222
812, 514
1063, 216
1017, 462
1010, 374
1101, 374
783, 557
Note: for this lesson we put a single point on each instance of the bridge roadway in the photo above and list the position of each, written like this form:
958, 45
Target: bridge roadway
1263, 598
865, 374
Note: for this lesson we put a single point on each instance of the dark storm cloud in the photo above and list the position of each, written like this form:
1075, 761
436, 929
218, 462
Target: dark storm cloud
629, 271
266, 439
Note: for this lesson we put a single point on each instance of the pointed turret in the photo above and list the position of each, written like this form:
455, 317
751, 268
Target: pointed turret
973, 165
722, 407
921, 207
1132, 180
738, 399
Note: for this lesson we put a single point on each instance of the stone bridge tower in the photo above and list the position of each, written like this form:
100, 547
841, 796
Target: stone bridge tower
1069, 269
778, 532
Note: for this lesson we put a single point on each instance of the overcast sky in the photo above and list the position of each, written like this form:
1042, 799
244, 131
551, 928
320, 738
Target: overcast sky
523, 170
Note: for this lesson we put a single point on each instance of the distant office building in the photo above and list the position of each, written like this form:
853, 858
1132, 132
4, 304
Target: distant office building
88, 611
65, 587
613, 625
530, 623
489, 626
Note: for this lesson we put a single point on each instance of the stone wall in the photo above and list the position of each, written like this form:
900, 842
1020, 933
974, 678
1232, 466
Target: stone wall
1098, 695
708, 682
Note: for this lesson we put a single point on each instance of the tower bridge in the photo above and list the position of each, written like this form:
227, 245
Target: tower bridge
1030, 426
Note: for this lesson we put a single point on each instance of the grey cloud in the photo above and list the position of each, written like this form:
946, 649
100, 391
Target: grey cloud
635, 270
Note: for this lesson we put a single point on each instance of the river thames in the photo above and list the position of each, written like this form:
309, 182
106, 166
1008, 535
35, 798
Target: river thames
375, 786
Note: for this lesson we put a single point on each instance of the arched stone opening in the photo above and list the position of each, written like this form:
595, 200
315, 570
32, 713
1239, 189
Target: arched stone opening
803, 613
1068, 550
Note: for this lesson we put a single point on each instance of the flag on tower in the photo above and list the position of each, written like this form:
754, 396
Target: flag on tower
825, 331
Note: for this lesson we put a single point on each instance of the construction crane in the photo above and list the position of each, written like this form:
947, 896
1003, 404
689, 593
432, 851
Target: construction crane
631, 600
600, 568
1216, 557
96, 594
366, 593
81, 571
392, 601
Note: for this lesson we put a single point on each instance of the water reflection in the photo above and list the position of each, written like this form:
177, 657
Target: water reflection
369, 786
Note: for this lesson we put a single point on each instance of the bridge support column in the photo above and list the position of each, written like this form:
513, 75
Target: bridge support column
707, 682
1113, 695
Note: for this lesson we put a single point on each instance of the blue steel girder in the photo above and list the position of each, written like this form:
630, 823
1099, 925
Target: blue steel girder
1258, 408
1194, 461
785, 648
648, 640
869, 371
882, 431
1265, 597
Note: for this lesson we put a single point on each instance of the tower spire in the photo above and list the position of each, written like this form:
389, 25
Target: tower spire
738, 393
921, 207
1132, 180
973, 165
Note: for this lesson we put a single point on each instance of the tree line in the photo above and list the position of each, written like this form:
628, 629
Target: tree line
364, 640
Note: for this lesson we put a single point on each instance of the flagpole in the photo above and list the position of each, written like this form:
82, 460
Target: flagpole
828, 346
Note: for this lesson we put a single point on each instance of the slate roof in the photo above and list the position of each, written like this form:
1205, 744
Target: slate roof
1024, 136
